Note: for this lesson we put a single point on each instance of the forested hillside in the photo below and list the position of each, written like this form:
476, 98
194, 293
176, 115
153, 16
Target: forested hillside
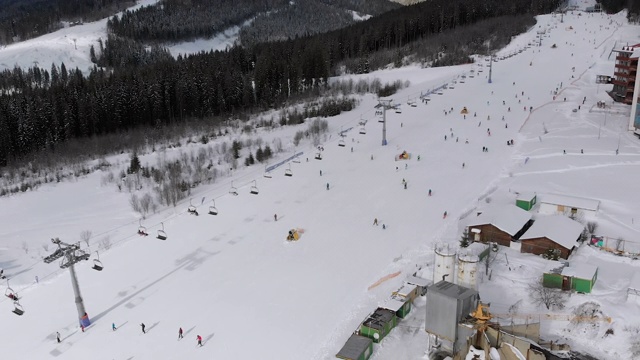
302, 17
179, 20
25, 19
40, 109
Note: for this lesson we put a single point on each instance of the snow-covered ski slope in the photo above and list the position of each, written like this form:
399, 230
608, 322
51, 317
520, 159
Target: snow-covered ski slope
236, 281
69, 45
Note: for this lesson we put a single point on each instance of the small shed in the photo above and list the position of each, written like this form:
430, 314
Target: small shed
571, 205
408, 291
526, 201
633, 291
580, 277
356, 348
399, 304
447, 305
421, 284
556, 232
500, 224
379, 324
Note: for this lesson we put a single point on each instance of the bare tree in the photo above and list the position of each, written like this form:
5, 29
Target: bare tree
105, 243
550, 298
135, 203
145, 204
85, 236
592, 226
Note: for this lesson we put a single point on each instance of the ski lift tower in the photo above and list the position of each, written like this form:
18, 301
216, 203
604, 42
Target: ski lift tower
71, 254
384, 104
490, 66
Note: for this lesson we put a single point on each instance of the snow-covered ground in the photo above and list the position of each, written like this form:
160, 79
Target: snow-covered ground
69, 45
236, 281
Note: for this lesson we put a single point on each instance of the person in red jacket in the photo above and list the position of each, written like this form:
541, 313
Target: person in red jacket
199, 338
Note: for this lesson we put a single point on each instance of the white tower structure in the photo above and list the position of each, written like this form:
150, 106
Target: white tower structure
467, 271
445, 263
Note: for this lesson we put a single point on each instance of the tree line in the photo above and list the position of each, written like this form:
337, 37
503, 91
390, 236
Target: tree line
40, 109
25, 19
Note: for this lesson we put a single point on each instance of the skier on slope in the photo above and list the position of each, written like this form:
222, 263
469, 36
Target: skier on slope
199, 339
179, 333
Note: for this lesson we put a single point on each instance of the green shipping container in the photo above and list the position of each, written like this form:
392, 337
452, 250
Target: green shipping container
526, 201
379, 324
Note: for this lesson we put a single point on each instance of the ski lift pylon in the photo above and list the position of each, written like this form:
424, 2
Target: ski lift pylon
97, 264
162, 235
212, 209
254, 188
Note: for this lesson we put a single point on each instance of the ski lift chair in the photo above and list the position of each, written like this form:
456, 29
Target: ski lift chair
288, 171
162, 235
212, 209
192, 209
97, 264
17, 308
11, 294
318, 156
142, 231
342, 143
233, 190
363, 130
254, 188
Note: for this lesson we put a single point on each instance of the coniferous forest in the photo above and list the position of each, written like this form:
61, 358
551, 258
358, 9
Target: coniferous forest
132, 86
25, 19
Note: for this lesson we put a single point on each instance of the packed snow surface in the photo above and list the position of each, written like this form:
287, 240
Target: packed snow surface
236, 281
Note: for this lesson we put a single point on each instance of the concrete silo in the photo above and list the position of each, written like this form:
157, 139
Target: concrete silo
467, 271
445, 263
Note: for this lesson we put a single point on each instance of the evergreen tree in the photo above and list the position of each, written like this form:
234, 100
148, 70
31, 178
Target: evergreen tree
259, 154
465, 241
134, 164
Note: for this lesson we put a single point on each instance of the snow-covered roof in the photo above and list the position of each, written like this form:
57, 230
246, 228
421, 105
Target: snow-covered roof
406, 289
557, 228
395, 303
415, 280
508, 218
580, 271
571, 201
354, 347
635, 281
525, 196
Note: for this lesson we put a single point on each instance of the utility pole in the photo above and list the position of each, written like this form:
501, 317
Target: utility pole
384, 104
71, 254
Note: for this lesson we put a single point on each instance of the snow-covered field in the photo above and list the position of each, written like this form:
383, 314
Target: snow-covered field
236, 281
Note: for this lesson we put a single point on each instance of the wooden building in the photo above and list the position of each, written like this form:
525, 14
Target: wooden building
551, 232
500, 224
